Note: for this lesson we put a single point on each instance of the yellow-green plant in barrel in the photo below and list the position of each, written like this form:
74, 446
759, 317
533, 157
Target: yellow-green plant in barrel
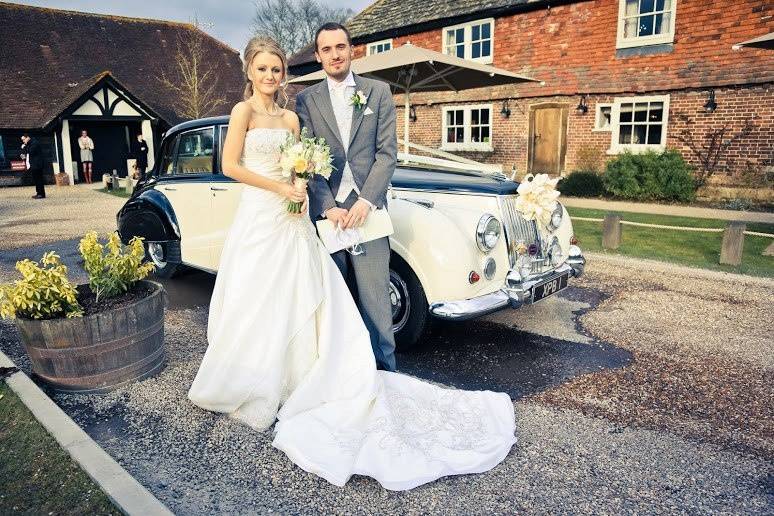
113, 269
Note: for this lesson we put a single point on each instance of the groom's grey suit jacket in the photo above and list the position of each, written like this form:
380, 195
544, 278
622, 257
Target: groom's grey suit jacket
373, 147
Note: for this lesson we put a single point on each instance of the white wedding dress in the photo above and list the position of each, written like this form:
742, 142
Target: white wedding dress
284, 332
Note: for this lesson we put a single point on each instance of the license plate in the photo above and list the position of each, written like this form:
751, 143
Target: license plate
550, 287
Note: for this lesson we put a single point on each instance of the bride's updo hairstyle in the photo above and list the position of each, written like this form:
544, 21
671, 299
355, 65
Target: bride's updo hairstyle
255, 46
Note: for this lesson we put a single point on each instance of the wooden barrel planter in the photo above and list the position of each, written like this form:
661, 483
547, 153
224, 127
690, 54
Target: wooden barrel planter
99, 352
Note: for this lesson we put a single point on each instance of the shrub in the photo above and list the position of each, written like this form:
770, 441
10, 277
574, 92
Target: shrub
582, 184
650, 176
44, 292
113, 272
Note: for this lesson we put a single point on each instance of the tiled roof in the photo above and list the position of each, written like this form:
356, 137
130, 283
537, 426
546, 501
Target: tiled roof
386, 15
50, 57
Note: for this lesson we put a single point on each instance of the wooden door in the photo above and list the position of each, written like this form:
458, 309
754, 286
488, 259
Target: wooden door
548, 138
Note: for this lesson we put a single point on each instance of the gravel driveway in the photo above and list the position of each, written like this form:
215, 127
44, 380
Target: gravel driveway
669, 408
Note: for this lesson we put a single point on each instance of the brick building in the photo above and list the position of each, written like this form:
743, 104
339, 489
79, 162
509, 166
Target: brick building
64, 71
617, 75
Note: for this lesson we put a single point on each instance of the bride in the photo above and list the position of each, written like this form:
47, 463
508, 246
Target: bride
287, 343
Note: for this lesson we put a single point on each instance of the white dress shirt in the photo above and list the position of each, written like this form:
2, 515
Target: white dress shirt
341, 99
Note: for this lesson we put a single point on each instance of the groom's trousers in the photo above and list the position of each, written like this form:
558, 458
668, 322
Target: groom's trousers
371, 273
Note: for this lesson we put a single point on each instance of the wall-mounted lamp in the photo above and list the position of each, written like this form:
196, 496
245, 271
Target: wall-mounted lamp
582, 107
412, 114
710, 106
506, 110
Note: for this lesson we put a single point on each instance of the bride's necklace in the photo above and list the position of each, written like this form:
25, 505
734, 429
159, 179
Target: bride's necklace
264, 111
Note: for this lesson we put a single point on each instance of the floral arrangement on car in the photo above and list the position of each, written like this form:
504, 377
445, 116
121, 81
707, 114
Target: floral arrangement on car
303, 159
537, 199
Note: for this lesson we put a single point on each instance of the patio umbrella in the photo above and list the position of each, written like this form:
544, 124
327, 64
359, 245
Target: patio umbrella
409, 68
765, 42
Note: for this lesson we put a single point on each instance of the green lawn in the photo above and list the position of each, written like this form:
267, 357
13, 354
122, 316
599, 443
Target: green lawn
118, 193
683, 247
36, 475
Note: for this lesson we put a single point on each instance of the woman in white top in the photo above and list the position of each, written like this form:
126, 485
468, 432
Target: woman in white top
87, 157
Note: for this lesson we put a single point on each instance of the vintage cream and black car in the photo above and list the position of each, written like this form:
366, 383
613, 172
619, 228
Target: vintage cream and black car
457, 250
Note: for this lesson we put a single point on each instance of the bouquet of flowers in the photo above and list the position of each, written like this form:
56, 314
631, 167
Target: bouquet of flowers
537, 198
303, 159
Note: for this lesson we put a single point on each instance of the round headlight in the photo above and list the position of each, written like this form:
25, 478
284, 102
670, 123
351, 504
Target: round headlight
556, 218
490, 267
487, 232
555, 251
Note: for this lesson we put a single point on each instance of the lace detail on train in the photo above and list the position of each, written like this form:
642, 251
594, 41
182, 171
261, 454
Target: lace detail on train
284, 333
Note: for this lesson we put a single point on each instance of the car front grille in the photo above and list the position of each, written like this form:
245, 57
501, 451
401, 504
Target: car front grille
518, 229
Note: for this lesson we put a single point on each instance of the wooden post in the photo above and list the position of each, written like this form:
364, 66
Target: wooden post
611, 231
733, 243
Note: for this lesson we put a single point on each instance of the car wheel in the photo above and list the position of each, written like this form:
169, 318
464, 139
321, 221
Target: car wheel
156, 252
410, 316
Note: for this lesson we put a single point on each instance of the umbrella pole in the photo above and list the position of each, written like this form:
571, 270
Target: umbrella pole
406, 110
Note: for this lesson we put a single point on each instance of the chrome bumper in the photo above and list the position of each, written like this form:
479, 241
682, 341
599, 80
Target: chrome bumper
515, 293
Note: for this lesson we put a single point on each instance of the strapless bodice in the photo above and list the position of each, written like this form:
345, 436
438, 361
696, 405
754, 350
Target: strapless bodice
261, 151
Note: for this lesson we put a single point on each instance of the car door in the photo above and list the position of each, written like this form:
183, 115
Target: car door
226, 193
185, 181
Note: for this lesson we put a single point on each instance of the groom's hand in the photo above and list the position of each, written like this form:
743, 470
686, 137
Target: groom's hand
336, 215
357, 214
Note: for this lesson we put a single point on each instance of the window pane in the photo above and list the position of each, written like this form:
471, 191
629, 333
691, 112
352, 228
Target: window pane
654, 134
486, 30
461, 51
638, 135
486, 50
475, 134
632, 7
625, 135
485, 116
460, 117
485, 133
460, 33
626, 112
194, 153
604, 119
656, 111
450, 118
666, 23
387, 46
476, 50
450, 135
641, 112
659, 5
646, 6
450, 38
474, 116
475, 32
460, 134
646, 26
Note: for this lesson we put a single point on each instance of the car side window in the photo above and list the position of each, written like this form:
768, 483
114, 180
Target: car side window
194, 152
168, 157
223, 131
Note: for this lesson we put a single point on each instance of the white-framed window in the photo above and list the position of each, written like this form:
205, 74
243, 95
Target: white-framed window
473, 40
645, 22
639, 123
603, 119
467, 128
377, 47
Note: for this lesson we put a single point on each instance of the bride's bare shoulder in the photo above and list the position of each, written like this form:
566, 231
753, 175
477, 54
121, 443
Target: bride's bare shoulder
241, 112
290, 118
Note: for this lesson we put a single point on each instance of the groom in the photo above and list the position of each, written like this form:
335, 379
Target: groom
356, 116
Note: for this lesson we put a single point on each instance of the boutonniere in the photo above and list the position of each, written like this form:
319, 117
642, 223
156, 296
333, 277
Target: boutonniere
359, 99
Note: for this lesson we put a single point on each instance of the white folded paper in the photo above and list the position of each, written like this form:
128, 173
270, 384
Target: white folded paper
378, 224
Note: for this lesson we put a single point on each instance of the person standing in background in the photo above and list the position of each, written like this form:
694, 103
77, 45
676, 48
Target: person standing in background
141, 157
87, 156
33, 156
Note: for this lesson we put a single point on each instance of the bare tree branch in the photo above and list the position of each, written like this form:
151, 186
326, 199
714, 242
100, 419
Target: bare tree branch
293, 23
192, 82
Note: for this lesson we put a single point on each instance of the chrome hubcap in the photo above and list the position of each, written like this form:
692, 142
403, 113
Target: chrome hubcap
156, 253
401, 305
